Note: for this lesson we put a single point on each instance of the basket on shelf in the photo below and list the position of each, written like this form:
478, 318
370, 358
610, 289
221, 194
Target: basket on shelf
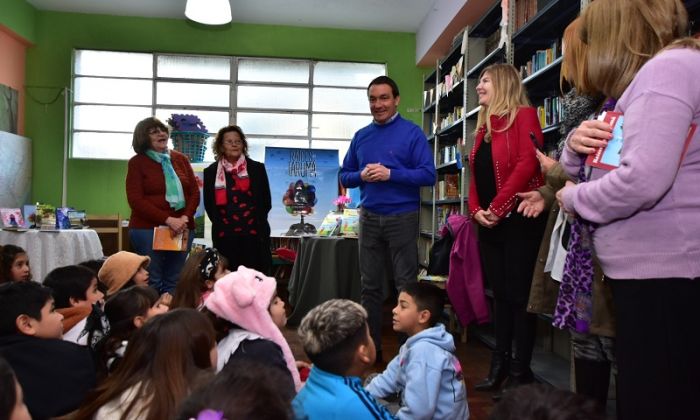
192, 144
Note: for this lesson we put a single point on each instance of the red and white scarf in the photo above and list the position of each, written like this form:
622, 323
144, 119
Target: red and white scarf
239, 169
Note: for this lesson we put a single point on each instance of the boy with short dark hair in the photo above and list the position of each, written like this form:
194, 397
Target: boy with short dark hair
55, 374
77, 297
336, 338
426, 372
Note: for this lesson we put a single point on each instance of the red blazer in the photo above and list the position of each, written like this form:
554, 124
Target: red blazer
514, 161
145, 191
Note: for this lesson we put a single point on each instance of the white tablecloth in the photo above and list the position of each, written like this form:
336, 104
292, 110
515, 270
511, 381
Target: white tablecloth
51, 249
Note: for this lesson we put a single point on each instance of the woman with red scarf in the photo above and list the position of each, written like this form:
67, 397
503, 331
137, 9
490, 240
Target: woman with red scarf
237, 201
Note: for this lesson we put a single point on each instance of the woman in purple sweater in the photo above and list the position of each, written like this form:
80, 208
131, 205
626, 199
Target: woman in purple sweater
646, 212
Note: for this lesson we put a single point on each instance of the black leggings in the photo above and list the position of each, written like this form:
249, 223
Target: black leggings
658, 348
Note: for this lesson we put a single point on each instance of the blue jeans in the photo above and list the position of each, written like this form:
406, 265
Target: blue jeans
380, 237
165, 266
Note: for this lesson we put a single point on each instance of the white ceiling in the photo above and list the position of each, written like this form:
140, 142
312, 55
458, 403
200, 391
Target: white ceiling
382, 15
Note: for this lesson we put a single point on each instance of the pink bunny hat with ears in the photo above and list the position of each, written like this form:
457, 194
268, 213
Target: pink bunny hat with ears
243, 297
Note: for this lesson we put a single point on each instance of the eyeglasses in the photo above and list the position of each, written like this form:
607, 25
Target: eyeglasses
156, 130
233, 142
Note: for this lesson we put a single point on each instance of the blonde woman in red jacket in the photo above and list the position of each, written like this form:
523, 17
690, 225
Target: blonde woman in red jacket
503, 163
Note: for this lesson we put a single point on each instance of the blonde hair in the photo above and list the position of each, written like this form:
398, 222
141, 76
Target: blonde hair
574, 66
508, 95
622, 35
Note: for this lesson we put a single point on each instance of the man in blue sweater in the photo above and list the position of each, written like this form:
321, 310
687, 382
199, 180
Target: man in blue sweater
389, 160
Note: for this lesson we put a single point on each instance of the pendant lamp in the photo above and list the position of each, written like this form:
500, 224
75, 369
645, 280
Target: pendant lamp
209, 12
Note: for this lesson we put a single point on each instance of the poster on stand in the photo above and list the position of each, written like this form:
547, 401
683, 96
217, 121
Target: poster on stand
311, 174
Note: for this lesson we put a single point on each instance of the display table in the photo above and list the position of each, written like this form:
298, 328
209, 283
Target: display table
325, 268
51, 249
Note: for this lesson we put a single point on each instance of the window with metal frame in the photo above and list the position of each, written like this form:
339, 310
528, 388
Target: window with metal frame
277, 102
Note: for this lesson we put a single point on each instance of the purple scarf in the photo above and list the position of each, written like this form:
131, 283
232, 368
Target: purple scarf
574, 307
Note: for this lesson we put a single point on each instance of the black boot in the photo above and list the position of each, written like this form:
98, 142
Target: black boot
520, 374
500, 366
593, 379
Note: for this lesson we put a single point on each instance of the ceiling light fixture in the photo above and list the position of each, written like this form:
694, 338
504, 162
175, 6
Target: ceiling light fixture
209, 12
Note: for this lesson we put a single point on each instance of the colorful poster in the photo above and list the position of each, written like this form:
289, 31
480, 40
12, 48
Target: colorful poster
302, 181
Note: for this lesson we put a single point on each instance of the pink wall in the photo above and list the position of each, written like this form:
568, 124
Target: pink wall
13, 51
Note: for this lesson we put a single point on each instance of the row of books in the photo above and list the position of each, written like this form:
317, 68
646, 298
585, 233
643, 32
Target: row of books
550, 112
449, 119
449, 81
42, 216
541, 59
447, 154
448, 187
444, 211
524, 11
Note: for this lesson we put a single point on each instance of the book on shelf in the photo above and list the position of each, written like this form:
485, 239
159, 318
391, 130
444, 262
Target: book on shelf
608, 157
550, 112
451, 186
165, 240
541, 59
524, 11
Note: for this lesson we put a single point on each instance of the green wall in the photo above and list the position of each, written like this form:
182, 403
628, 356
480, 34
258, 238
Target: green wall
98, 185
19, 16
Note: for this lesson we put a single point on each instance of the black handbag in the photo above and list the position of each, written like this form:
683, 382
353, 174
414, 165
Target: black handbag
439, 263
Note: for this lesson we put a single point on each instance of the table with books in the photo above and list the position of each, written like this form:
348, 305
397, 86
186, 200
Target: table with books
49, 249
325, 268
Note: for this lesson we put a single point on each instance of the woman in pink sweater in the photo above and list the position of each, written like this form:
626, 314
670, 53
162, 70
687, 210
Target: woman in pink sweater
646, 211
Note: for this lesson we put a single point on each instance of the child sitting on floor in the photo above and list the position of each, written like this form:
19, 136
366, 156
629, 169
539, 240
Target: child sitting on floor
171, 356
245, 299
127, 311
247, 390
55, 375
77, 298
124, 269
336, 338
426, 372
201, 270
14, 264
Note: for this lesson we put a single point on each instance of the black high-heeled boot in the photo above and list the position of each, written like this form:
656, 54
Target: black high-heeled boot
593, 379
520, 374
500, 366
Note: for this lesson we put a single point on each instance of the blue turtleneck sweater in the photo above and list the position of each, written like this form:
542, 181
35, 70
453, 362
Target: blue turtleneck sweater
401, 146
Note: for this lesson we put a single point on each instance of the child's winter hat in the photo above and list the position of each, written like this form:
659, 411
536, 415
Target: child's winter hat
119, 268
243, 297
209, 264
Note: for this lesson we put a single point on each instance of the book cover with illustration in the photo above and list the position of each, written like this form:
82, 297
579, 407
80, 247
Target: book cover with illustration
351, 223
62, 220
12, 218
608, 157
314, 172
46, 216
331, 225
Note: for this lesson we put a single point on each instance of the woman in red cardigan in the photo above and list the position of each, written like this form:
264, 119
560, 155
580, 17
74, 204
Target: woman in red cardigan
503, 163
162, 190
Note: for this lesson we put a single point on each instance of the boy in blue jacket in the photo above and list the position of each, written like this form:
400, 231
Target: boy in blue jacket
426, 372
336, 338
